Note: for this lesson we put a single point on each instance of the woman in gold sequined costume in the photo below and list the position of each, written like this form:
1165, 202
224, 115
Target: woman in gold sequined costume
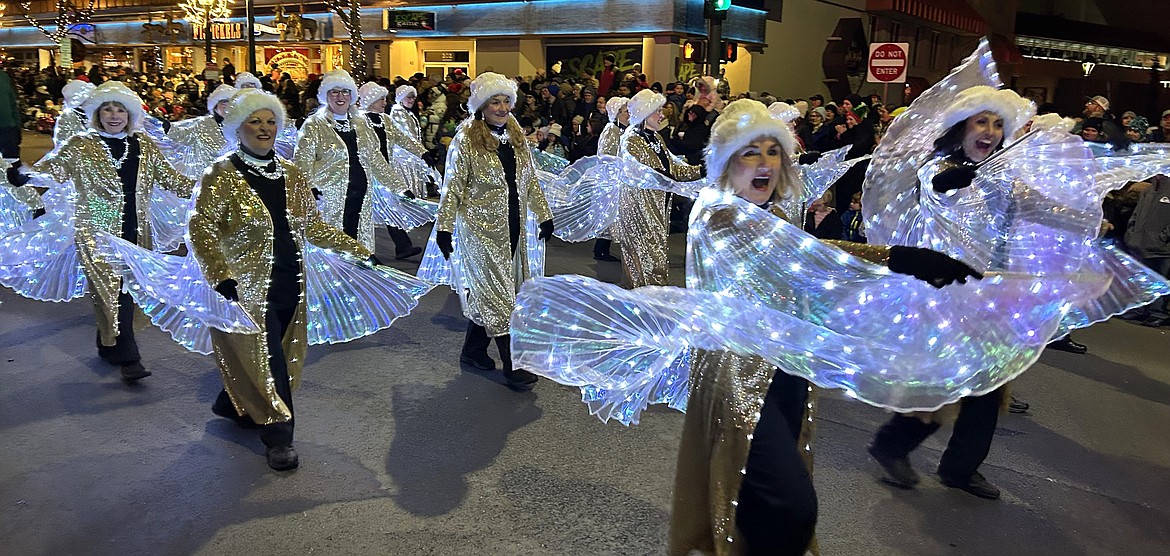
339, 152
201, 138
372, 99
491, 185
252, 219
114, 168
642, 218
743, 482
609, 144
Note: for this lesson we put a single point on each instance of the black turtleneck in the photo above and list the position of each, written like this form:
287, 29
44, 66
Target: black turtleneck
653, 138
355, 193
128, 175
218, 118
507, 156
284, 288
379, 124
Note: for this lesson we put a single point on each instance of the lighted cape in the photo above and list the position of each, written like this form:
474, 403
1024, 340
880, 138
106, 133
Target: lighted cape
760, 286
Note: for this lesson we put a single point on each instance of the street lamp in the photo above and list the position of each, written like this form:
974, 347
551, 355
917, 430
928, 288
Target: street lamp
201, 13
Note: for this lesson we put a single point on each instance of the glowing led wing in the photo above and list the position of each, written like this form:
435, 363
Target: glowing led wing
168, 219
584, 198
415, 173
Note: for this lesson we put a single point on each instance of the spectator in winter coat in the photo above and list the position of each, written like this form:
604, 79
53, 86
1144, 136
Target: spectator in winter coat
691, 136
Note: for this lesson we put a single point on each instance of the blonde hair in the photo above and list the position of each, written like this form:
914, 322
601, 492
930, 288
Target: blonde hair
481, 138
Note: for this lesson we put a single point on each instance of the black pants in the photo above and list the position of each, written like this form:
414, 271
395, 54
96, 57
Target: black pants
125, 348
601, 247
477, 341
10, 138
777, 511
969, 444
277, 322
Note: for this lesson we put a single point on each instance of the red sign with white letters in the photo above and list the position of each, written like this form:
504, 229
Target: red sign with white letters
888, 62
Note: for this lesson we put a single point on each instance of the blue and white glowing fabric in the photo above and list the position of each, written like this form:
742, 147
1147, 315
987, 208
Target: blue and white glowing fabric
344, 299
437, 271
392, 208
1034, 208
416, 174
548, 162
16, 204
1142, 161
760, 286
39, 258
818, 177
169, 214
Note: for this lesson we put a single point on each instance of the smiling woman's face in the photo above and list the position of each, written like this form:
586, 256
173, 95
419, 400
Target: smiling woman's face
754, 170
258, 132
983, 136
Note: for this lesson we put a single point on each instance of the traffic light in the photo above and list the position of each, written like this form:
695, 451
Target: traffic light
716, 10
730, 52
692, 51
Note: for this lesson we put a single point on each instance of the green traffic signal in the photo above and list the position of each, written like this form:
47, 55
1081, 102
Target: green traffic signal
721, 5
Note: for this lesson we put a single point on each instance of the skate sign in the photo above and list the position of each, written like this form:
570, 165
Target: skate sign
888, 62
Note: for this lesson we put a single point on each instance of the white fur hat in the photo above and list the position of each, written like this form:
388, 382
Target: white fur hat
114, 91
643, 104
742, 122
488, 85
404, 91
222, 92
245, 79
245, 103
784, 112
1014, 109
614, 105
76, 92
337, 79
1053, 121
801, 107
369, 93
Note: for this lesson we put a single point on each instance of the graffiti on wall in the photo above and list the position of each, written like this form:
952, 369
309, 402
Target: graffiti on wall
575, 59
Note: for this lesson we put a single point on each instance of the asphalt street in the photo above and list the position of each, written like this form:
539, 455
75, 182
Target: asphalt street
404, 452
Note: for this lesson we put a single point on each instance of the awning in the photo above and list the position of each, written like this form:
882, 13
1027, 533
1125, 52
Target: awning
951, 15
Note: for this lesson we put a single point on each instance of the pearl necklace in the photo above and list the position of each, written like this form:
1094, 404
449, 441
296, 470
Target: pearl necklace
343, 125
654, 145
502, 137
258, 166
375, 121
125, 152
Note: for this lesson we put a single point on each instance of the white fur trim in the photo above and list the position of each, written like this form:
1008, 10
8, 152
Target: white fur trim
245, 103
76, 92
740, 123
244, 79
337, 79
369, 93
404, 91
115, 91
784, 112
488, 85
222, 92
1014, 109
643, 104
613, 106
1053, 121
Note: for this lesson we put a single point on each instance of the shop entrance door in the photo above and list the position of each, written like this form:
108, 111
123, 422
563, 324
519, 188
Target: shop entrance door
438, 64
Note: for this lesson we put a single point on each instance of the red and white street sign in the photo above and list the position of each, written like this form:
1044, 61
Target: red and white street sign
888, 62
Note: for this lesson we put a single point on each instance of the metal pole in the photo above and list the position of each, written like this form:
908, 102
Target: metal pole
714, 46
251, 14
207, 40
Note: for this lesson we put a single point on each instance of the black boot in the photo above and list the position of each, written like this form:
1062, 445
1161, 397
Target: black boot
517, 379
975, 484
132, 372
282, 458
1067, 344
892, 446
223, 407
475, 344
404, 248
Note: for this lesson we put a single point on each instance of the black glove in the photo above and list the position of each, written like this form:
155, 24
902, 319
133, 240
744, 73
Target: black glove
227, 289
443, 239
809, 157
950, 179
546, 230
409, 195
317, 194
15, 177
929, 266
373, 261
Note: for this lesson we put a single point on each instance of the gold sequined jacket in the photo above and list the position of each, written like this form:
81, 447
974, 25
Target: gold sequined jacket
69, 123
231, 237
726, 395
610, 141
475, 207
642, 215
202, 141
409, 134
84, 161
322, 156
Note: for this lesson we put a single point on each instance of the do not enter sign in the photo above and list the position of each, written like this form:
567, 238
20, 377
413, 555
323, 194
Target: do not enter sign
888, 62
